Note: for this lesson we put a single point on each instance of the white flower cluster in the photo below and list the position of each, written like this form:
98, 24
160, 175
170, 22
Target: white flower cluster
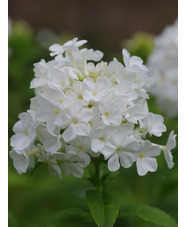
163, 67
83, 110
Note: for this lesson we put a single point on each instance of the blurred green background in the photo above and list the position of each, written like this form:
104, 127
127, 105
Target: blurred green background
107, 27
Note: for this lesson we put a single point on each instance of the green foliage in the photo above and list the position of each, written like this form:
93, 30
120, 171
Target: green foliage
104, 208
141, 45
12, 222
66, 214
149, 214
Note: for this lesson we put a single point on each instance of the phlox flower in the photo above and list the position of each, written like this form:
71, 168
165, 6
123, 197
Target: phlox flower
154, 124
83, 112
171, 144
21, 160
49, 112
73, 161
110, 113
95, 91
145, 160
77, 119
163, 68
25, 132
120, 149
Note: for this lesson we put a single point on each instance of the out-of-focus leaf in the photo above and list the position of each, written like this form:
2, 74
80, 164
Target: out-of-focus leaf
149, 214
68, 213
12, 221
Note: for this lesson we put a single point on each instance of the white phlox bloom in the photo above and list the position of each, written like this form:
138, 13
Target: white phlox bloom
95, 91
171, 144
51, 142
25, 132
145, 160
154, 124
163, 68
48, 158
42, 73
49, 112
71, 45
21, 160
110, 114
73, 161
120, 148
78, 119
135, 64
83, 110
99, 137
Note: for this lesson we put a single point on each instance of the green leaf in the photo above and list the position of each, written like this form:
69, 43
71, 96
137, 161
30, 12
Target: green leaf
68, 213
148, 213
12, 221
104, 208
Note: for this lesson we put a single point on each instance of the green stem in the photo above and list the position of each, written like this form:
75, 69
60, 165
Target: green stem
97, 174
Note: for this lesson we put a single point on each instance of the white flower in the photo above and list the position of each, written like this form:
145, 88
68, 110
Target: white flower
20, 160
171, 144
145, 160
81, 143
73, 161
25, 132
49, 112
76, 92
55, 95
99, 137
59, 78
95, 91
42, 73
91, 54
48, 158
78, 118
24, 159
70, 45
120, 148
163, 68
51, 142
154, 124
82, 110
124, 89
110, 114
134, 113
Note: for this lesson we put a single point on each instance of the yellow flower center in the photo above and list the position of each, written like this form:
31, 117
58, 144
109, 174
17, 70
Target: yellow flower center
93, 76
75, 121
33, 152
94, 93
118, 150
102, 139
56, 111
61, 101
141, 155
80, 148
80, 97
26, 132
106, 114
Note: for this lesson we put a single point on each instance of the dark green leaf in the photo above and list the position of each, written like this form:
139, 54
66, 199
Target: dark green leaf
104, 208
150, 214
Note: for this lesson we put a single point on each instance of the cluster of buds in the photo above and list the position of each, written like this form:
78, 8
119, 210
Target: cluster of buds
82, 110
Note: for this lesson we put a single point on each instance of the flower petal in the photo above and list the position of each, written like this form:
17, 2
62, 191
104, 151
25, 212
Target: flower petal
126, 159
69, 134
83, 129
140, 167
113, 163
